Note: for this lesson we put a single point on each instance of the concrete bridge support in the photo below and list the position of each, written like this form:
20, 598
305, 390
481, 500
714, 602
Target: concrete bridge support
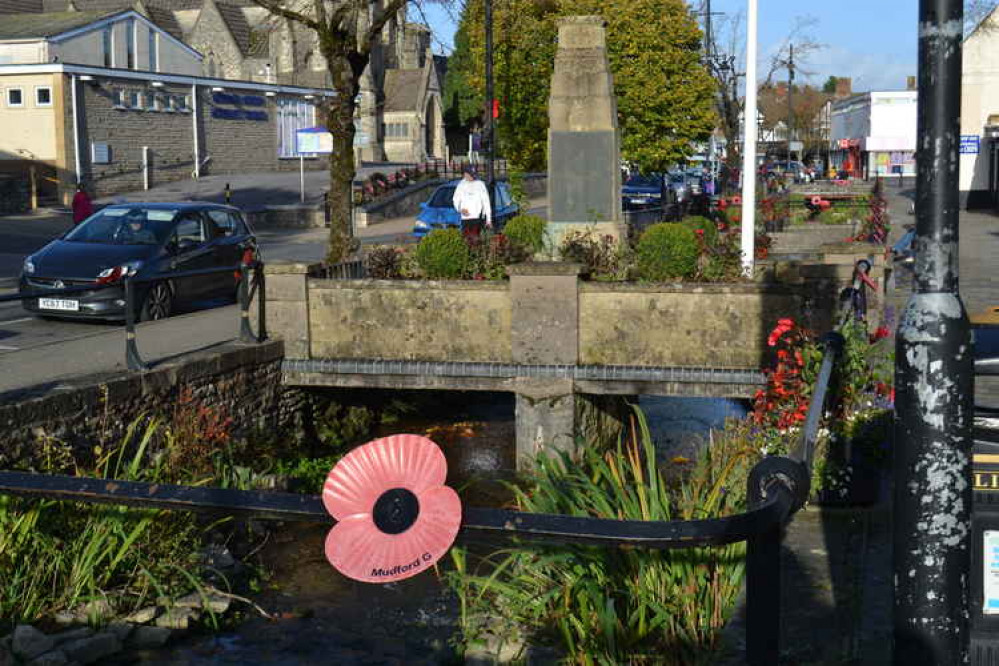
544, 303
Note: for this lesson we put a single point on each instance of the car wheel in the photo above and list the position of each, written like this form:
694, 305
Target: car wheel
158, 303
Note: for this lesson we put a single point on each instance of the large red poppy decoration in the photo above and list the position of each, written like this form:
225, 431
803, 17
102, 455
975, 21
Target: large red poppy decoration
395, 517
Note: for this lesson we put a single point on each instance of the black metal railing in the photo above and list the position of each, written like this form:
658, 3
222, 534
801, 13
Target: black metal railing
245, 295
778, 486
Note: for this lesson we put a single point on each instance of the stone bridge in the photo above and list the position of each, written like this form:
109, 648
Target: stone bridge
546, 335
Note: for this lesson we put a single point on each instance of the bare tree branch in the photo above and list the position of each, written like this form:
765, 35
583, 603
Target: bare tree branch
278, 10
379, 22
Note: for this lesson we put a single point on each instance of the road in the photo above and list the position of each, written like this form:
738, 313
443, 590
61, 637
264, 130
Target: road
39, 351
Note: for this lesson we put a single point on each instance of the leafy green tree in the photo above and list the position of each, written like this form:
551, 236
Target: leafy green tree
829, 87
664, 94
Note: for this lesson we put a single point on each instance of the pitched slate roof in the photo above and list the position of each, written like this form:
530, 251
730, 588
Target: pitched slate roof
165, 19
236, 20
402, 89
27, 26
21, 6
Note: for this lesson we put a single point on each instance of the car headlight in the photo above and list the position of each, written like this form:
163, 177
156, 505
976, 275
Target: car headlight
115, 273
420, 224
29, 266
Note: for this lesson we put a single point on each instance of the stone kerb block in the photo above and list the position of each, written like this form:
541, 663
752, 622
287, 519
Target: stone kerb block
288, 305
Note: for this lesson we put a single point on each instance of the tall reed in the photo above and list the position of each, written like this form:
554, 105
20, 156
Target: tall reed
617, 605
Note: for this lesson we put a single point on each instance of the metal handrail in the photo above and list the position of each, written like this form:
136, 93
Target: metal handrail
133, 360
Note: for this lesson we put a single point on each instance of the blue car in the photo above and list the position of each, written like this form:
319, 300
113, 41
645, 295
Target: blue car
438, 212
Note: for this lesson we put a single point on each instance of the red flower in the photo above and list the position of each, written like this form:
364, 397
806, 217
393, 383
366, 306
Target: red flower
880, 333
395, 516
699, 232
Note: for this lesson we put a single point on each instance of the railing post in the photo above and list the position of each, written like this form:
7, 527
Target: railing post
763, 592
132, 358
245, 332
258, 277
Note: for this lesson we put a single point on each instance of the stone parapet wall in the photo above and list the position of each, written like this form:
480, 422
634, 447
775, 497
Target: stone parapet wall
395, 319
710, 326
241, 382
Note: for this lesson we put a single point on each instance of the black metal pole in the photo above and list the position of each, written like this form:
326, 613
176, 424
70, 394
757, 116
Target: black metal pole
490, 105
790, 107
258, 274
132, 359
934, 378
243, 290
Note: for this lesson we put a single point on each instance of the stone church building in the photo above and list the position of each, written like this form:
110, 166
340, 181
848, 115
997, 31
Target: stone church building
400, 113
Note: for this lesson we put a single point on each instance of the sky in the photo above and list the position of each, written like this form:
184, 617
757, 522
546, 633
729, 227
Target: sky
871, 41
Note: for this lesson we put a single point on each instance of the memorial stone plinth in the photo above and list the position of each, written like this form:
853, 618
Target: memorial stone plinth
584, 145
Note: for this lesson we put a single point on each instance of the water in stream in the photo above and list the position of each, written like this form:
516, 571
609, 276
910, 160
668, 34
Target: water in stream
318, 617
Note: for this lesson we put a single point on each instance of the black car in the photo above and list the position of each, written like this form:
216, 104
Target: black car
154, 242
642, 191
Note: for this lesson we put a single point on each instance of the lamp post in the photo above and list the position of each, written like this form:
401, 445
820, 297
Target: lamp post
790, 107
749, 146
490, 106
934, 378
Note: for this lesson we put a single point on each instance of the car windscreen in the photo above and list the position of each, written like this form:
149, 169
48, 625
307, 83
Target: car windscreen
443, 198
642, 181
125, 226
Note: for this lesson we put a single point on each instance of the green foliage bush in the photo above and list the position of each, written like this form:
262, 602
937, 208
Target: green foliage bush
527, 231
667, 251
598, 254
384, 263
698, 222
443, 254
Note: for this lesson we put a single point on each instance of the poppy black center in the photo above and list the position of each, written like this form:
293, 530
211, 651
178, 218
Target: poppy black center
396, 511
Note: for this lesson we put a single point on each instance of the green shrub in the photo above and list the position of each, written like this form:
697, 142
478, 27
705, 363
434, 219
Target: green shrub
526, 231
443, 254
667, 251
697, 222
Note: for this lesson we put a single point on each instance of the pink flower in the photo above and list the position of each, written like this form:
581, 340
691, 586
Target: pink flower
395, 516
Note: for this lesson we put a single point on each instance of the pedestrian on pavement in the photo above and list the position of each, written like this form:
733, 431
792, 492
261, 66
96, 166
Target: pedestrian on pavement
82, 206
471, 200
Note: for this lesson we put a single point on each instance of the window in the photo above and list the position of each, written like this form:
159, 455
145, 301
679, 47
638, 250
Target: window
154, 45
118, 95
107, 43
227, 223
130, 43
153, 102
135, 100
396, 130
15, 97
43, 96
292, 115
190, 230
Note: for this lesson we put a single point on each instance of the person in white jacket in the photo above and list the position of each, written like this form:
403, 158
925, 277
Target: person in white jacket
471, 200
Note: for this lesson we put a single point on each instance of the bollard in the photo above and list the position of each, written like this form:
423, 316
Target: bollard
934, 378
228, 194
261, 286
132, 358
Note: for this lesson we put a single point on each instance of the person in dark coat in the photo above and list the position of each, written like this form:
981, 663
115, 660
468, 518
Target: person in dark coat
82, 206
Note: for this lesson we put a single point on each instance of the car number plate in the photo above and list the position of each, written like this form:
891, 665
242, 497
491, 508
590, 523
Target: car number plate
62, 304
639, 201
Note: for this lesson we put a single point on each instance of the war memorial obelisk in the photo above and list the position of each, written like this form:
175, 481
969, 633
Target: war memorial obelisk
584, 145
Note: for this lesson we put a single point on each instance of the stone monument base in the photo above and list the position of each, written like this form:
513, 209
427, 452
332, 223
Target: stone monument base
557, 231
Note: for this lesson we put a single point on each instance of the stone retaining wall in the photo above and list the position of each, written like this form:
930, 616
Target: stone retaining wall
241, 382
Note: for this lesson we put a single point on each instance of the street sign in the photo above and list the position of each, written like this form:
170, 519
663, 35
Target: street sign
969, 144
315, 140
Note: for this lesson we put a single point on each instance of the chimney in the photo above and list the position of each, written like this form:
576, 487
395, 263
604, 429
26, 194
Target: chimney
844, 87
910, 83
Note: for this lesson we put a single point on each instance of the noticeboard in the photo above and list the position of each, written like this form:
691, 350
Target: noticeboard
313, 140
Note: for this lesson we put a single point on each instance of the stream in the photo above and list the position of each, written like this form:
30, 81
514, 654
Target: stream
320, 618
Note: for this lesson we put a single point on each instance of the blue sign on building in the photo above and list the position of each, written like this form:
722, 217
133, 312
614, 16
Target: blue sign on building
969, 144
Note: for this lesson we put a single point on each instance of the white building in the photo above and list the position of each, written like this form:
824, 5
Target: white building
979, 164
874, 134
